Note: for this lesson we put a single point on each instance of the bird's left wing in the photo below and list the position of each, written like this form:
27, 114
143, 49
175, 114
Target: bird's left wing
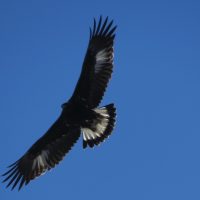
98, 64
48, 151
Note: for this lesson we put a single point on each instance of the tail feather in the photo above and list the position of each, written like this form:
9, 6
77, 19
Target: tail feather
100, 127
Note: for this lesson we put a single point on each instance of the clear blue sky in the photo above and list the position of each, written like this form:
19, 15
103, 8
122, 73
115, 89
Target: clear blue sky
154, 152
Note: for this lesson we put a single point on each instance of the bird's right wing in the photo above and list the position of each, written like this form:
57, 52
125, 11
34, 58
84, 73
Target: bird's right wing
48, 151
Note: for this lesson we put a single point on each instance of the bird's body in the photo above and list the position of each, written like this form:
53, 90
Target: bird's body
79, 115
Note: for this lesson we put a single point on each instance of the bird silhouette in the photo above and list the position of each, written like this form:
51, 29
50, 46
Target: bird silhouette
80, 114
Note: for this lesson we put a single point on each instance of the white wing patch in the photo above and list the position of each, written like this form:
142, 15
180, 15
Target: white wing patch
103, 57
40, 161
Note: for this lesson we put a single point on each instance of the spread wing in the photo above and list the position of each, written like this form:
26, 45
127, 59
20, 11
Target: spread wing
98, 65
48, 151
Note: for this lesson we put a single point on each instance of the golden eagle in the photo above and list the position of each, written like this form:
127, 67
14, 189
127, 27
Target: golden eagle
80, 114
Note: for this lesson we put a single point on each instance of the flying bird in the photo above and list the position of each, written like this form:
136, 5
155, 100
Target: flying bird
80, 115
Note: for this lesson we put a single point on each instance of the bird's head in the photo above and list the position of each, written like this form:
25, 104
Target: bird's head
64, 105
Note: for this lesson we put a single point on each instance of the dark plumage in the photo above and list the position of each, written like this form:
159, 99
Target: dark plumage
79, 114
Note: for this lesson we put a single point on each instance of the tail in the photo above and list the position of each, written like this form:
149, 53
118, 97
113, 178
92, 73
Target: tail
100, 127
